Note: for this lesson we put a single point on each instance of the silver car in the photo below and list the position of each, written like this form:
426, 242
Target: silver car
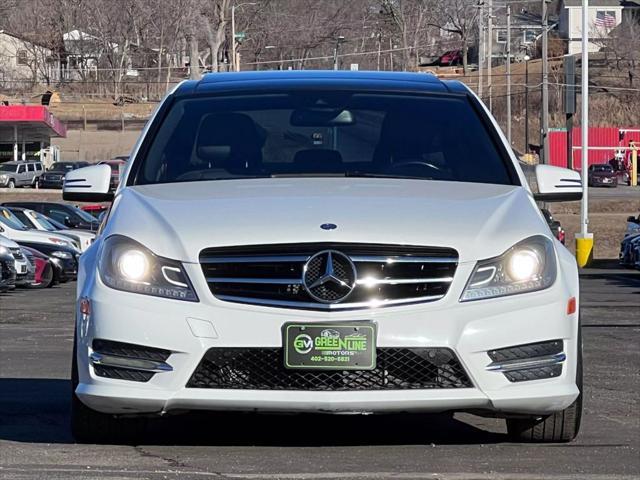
20, 174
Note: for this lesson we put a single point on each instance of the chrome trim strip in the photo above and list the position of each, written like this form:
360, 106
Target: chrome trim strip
402, 259
145, 365
527, 363
400, 281
256, 259
326, 306
269, 281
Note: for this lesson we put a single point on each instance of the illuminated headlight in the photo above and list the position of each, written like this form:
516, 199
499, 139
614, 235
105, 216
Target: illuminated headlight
526, 267
61, 254
126, 265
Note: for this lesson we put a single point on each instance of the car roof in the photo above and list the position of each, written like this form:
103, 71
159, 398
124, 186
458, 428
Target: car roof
335, 80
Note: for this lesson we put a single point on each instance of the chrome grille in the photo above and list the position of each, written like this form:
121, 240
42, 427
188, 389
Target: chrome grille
272, 275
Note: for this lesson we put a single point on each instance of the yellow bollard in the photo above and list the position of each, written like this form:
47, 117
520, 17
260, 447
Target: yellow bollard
584, 249
634, 167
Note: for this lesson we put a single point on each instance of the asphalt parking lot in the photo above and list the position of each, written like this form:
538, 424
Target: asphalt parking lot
35, 348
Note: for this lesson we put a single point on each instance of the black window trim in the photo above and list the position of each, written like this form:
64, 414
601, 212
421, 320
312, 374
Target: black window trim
166, 106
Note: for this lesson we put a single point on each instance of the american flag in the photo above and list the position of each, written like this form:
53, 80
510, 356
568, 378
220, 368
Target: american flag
605, 19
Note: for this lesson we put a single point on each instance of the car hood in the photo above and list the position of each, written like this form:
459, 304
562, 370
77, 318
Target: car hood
179, 220
35, 236
7, 242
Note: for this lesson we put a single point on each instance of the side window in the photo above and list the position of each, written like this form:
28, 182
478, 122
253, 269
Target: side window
21, 168
56, 214
39, 167
31, 167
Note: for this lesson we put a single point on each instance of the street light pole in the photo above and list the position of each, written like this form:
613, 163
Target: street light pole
339, 40
544, 126
526, 103
235, 64
584, 240
509, 73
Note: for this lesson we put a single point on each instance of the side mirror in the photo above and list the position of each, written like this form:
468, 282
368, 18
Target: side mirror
557, 184
632, 219
88, 184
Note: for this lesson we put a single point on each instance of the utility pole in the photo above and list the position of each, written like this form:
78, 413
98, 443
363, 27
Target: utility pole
544, 124
526, 103
233, 38
490, 55
339, 40
481, 51
509, 73
584, 240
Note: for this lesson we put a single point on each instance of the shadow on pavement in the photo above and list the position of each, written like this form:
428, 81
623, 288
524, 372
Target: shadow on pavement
37, 411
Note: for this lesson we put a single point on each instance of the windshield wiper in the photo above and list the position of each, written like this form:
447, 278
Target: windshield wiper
384, 175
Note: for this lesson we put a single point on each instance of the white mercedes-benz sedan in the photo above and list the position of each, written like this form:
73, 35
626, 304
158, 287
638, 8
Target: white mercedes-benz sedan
331, 242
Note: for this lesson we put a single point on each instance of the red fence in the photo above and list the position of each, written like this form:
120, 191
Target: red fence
598, 137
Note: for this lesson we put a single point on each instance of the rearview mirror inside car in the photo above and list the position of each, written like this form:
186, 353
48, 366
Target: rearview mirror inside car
88, 184
321, 117
556, 184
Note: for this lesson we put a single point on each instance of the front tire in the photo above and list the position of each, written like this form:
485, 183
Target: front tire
89, 426
12, 183
562, 426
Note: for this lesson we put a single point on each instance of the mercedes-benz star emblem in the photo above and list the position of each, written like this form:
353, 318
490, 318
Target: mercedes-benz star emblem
329, 276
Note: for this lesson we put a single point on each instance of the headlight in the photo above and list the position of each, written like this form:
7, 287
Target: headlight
61, 254
526, 267
126, 265
59, 241
3, 177
4, 250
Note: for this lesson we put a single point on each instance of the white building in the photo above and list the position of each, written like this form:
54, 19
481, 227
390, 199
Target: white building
604, 16
23, 60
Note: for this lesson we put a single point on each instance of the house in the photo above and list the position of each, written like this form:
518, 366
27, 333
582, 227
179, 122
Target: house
604, 16
22, 60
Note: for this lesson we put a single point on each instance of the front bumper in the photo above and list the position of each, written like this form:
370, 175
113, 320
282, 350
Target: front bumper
188, 330
54, 184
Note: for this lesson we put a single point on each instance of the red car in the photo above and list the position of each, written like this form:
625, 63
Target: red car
450, 58
44, 275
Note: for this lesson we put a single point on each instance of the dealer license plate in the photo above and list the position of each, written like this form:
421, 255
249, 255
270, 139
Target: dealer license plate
331, 346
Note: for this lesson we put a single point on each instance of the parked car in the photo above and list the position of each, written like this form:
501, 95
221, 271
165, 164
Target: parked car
20, 174
81, 239
68, 215
54, 177
245, 267
22, 267
554, 225
43, 275
602, 175
116, 167
450, 58
7, 269
17, 231
627, 256
64, 259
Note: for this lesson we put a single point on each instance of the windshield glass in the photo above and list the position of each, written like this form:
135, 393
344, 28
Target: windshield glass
61, 167
46, 222
602, 168
7, 168
10, 220
318, 133
86, 217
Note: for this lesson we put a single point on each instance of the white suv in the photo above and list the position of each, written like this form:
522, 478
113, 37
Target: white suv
335, 242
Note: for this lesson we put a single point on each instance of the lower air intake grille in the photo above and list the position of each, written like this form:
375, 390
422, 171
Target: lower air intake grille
122, 373
263, 369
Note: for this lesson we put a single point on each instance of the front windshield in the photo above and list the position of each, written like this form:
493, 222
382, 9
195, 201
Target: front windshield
318, 133
46, 222
7, 168
86, 217
10, 220
61, 167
